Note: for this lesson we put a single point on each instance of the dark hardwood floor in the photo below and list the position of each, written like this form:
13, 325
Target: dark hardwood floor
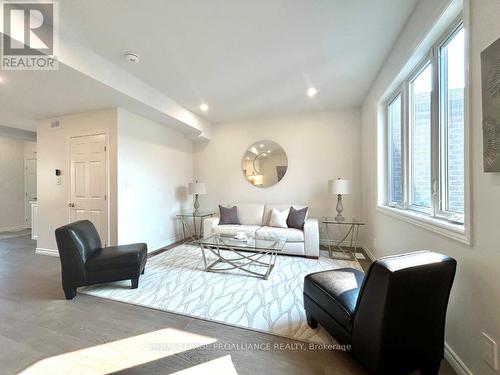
38, 326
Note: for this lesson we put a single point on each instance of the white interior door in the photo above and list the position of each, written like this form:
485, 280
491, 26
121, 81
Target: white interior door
29, 188
88, 182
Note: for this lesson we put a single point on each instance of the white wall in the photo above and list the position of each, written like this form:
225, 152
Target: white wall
319, 146
12, 184
155, 164
53, 153
30, 150
475, 298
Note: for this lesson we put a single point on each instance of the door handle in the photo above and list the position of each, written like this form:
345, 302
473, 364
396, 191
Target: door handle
71, 205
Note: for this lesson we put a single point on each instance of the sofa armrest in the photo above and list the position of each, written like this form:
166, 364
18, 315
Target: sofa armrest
208, 226
311, 238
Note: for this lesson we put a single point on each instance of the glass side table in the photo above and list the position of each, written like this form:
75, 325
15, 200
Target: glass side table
187, 215
350, 238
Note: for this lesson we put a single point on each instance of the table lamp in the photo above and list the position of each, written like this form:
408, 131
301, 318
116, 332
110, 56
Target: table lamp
339, 187
196, 189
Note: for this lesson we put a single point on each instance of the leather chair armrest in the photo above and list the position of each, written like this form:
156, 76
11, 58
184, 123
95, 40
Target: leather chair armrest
208, 226
311, 238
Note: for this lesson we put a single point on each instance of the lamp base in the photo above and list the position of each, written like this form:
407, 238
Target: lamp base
196, 203
339, 209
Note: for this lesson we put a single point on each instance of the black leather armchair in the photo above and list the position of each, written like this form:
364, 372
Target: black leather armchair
393, 317
85, 262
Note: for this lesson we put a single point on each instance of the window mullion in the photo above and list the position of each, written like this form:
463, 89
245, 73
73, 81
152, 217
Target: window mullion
405, 146
435, 137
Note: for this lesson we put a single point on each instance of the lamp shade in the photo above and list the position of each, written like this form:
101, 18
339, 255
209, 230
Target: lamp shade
339, 186
197, 188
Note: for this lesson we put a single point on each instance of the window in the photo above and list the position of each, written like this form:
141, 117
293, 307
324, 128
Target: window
426, 134
420, 137
452, 84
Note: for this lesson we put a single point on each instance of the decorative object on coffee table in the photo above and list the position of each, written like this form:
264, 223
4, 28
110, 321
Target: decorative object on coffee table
348, 242
197, 189
339, 187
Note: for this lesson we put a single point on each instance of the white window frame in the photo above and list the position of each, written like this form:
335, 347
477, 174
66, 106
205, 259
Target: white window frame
393, 98
426, 61
437, 220
441, 179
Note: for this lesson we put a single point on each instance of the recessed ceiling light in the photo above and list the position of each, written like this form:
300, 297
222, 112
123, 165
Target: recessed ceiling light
261, 145
311, 92
204, 107
132, 57
1, 79
268, 151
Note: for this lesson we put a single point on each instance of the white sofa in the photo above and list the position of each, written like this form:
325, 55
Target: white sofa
254, 219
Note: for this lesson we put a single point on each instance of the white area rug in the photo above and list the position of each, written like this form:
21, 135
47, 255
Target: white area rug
175, 281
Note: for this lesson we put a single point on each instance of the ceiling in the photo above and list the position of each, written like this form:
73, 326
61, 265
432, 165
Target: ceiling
28, 96
245, 59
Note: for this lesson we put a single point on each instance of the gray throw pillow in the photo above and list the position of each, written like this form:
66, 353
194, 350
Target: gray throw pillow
228, 216
297, 218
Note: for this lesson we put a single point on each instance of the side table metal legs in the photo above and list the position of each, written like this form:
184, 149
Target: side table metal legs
351, 236
195, 232
185, 229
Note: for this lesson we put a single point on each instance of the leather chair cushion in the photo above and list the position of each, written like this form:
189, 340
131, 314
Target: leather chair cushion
336, 292
117, 257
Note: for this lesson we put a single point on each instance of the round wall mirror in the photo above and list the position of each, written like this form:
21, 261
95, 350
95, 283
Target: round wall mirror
264, 163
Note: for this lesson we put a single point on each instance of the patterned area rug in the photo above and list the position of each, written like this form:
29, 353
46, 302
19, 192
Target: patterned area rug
175, 281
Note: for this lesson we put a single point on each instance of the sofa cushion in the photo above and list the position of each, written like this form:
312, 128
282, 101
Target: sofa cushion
297, 218
336, 292
280, 207
116, 257
228, 215
278, 218
250, 213
291, 234
231, 230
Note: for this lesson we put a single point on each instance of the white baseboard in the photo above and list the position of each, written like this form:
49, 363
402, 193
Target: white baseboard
50, 252
325, 242
162, 244
157, 246
357, 244
13, 229
455, 362
368, 252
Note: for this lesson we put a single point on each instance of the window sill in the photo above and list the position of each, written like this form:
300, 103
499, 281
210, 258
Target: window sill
454, 231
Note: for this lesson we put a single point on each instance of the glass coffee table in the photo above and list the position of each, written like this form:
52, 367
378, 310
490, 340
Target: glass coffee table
248, 256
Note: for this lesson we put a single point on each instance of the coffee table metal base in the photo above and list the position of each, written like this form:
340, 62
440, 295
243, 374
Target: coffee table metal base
238, 260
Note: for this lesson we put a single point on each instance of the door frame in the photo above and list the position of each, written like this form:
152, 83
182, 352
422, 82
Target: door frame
26, 200
89, 133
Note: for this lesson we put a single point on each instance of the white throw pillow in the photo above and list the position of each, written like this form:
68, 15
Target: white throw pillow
278, 218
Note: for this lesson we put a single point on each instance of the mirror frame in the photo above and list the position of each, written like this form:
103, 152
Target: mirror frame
245, 159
